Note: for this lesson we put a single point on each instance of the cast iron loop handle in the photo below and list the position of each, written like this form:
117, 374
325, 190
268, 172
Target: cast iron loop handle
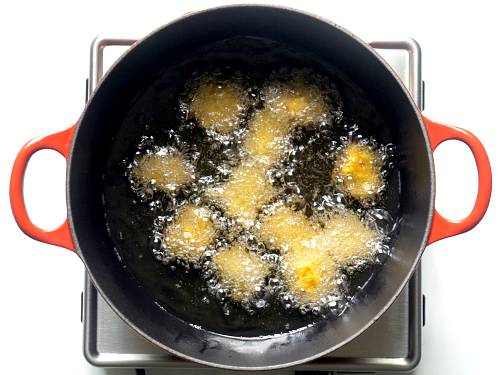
60, 142
442, 227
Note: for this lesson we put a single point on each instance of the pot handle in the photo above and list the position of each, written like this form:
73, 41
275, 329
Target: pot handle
60, 142
442, 227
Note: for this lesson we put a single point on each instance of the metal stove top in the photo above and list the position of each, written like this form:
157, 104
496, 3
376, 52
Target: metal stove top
393, 343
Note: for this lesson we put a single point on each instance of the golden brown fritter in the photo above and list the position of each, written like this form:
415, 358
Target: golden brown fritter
358, 172
310, 274
296, 101
247, 190
162, 171
287, 229
219, 105
347, 239
241, 271
189, 235
266, 138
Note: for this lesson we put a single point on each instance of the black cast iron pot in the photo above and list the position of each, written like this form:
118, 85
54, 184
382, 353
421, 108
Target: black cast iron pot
87, 146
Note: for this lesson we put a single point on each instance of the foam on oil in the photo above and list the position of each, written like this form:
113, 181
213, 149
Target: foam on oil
250, 215
247, 223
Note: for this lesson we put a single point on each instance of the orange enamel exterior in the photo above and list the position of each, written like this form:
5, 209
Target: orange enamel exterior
442, 227
60, 142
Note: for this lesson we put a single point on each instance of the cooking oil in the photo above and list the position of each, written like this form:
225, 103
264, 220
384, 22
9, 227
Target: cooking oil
245, 199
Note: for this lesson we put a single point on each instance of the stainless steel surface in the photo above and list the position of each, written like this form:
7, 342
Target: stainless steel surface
392, 343
408, 68
97, 67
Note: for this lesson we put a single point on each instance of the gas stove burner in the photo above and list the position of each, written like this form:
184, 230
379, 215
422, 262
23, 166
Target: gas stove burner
393, 343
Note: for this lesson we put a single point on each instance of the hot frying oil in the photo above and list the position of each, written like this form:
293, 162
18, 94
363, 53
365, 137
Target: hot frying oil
262, 197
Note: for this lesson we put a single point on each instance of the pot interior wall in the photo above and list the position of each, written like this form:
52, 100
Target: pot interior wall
103, 121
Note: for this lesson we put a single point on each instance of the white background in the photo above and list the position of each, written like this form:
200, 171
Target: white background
44, 60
